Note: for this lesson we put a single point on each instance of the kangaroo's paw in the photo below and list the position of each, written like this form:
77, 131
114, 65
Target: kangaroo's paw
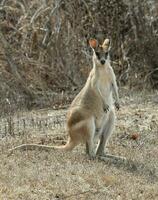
106, 108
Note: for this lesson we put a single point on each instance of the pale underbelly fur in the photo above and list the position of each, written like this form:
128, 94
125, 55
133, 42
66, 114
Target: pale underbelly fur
108, 99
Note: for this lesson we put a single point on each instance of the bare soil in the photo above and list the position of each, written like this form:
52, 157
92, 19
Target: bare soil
40, 175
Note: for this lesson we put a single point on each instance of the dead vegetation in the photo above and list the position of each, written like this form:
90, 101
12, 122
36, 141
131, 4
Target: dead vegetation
56, 175
44, 44
44, 61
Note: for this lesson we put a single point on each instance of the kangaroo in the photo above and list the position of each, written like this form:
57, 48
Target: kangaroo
92, 112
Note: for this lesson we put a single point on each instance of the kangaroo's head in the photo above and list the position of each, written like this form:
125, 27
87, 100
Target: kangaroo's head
100, 52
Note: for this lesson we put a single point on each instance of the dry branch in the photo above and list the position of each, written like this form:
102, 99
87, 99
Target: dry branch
53, 35
13, 66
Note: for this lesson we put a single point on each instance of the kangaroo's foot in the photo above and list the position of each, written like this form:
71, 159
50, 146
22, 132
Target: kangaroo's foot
107, 157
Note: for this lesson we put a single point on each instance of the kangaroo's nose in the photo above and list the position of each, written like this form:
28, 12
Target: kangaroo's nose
102, 62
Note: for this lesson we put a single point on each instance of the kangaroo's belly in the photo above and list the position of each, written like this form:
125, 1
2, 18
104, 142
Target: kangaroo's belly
100, 119
106, 93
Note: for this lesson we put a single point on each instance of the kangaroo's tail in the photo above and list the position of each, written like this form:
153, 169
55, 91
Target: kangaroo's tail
67, 147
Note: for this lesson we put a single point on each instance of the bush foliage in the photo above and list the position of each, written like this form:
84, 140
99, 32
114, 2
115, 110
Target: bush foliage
44, 44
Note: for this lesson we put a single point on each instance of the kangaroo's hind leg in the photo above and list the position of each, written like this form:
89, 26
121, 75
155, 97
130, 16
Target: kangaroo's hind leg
107, 130
105, 135
90, 148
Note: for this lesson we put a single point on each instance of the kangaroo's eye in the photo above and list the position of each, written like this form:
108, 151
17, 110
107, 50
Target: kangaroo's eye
106, 54
97, 54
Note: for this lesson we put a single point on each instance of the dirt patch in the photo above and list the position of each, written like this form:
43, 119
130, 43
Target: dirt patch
54, 175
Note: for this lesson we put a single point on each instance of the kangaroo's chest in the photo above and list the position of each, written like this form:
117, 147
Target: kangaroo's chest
104, 85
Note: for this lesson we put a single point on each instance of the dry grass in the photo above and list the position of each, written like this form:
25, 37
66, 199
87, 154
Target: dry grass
54, 175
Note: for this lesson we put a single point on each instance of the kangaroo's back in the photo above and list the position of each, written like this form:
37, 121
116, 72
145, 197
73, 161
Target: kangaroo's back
88, 98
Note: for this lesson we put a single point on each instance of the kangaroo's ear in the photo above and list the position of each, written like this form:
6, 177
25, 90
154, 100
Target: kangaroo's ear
93, 43
106, 45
